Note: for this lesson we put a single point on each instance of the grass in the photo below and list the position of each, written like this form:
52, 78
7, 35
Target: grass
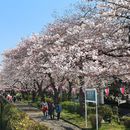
80, 121
112, 126
73, 118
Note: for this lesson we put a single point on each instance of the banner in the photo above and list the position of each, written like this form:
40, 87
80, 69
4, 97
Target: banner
122, 89
107, 91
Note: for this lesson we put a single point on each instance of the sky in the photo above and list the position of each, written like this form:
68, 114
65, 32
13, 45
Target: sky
20, 18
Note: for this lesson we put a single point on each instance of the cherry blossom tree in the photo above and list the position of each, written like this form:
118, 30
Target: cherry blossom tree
83, 48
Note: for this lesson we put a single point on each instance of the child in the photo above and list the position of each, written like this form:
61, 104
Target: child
44, 108
58, 110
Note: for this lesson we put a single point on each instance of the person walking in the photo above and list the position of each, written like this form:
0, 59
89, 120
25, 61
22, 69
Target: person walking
51, 108
44, 108
9, 98
58, 110
14, 98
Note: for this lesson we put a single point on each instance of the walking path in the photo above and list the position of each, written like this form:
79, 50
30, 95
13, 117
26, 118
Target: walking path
37, 115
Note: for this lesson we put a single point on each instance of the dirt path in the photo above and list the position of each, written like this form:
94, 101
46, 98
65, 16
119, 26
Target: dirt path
37, 115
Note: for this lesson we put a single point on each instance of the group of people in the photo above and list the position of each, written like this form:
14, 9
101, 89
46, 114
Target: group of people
49, 109
11, 98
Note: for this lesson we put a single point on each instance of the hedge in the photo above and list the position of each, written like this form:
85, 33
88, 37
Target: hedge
73, 107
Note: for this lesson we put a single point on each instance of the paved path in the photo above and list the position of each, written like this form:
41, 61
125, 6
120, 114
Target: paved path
36, 115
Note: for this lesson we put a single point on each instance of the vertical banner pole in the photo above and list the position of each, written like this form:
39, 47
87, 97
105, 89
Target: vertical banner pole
96, 112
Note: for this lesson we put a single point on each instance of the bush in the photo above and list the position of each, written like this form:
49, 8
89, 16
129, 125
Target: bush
115, 118
91, 110
36, 104
48, 99
93, 120
14, 119
74, 107
126, 121
115, 110
71, 106
105, 111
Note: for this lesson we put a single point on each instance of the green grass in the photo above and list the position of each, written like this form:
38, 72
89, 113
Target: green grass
80, 121
73, 118
112, 126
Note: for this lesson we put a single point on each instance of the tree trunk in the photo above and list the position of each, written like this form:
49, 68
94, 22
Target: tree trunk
39, 85
56, 92
81, 93
81, 101
70, 90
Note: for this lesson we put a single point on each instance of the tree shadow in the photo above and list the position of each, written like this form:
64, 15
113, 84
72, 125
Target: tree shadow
68, 128
87, 129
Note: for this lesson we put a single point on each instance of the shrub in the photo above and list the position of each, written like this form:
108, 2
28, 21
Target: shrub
126, 121
71, 106
93, 120
14, 119
115, 110
105, 110
115, 118
49, 99
74, 107
37, 104
91, 110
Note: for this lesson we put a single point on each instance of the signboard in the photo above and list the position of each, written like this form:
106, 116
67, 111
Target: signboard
91, 95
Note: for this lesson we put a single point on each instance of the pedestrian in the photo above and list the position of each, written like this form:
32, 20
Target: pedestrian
44, 108
33, 96
51, 108
14, 98
58, 110
9, 98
